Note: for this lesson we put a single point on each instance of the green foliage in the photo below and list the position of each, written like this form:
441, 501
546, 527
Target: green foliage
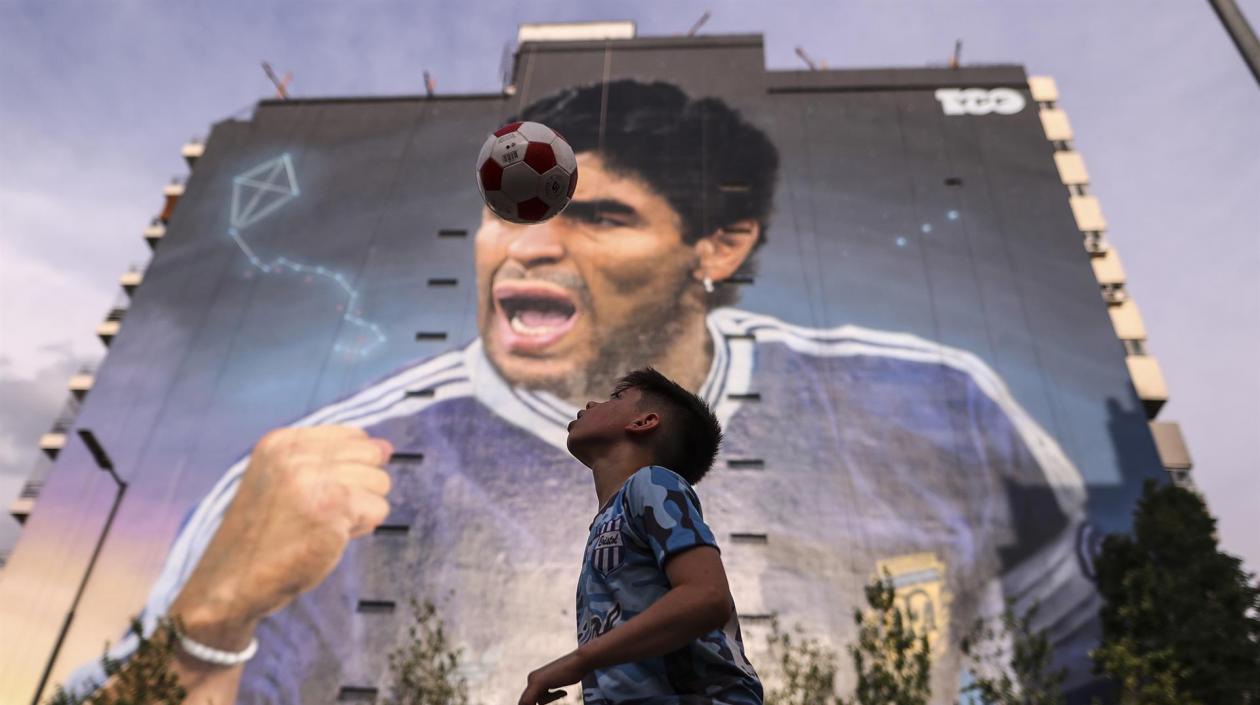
808, 669
424, 670
1142, 677
1179, 618
1012, 662
893, 664
147, 680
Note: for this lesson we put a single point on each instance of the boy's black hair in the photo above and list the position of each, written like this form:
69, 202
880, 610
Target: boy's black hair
711, 165
690, 434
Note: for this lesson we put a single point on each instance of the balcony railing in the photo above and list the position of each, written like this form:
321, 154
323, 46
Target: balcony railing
31, 489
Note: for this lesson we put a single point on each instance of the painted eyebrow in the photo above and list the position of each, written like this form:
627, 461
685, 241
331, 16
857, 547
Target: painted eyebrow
586, 210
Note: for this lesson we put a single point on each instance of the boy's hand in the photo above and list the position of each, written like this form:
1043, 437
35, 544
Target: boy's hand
542, 683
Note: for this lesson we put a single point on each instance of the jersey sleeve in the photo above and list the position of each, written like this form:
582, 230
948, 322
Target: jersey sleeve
197, 529
664, 512
1043, 560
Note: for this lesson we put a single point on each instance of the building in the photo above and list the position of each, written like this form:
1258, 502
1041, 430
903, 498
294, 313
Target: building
932, 223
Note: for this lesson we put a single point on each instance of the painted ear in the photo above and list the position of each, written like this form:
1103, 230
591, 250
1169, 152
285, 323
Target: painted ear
721, 253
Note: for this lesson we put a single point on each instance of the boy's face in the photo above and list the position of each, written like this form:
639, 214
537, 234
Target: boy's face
602, 423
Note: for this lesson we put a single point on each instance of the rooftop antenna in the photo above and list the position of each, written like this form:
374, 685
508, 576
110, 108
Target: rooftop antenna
805, 57
699, 23
429, 84
956, 60
281, 84
505, 63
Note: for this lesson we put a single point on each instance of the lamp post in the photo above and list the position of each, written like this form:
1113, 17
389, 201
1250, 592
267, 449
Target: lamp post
102, 462
1239, 31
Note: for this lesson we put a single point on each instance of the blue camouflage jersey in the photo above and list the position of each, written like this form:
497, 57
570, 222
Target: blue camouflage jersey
871, 451
654, 516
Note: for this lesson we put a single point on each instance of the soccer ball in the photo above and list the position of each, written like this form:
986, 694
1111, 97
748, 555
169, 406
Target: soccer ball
526, 172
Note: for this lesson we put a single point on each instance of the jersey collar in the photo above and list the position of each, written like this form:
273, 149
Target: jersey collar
547, 416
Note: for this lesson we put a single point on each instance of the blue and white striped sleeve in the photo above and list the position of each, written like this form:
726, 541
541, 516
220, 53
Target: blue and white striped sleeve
194, 535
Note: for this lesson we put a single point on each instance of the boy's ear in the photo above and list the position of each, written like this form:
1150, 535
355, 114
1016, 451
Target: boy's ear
644, 423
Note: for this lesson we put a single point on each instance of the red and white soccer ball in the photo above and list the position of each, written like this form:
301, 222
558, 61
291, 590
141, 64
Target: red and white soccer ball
526, 172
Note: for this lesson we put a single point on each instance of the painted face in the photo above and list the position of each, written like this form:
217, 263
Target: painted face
602, 422
569, 304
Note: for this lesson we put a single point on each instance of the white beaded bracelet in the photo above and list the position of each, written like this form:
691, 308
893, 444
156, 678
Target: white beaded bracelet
201, 652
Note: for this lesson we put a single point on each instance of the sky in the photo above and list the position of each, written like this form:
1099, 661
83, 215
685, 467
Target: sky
96, 99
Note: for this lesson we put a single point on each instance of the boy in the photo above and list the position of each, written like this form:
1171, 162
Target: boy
656, 622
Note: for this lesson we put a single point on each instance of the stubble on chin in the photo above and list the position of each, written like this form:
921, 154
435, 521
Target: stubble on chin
652, 332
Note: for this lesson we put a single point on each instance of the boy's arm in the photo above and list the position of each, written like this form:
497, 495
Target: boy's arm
698, 602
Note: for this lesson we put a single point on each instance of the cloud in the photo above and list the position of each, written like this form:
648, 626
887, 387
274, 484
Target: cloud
31, 403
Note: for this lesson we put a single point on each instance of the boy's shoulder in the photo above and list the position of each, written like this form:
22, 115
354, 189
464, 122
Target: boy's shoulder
653, 485
658, 475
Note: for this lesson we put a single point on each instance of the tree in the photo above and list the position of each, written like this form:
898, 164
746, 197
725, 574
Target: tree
149, 681
807, 669
424, 670
1012, 662
1180, 618
893, 664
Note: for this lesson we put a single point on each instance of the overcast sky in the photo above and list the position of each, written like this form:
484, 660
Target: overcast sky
97, 98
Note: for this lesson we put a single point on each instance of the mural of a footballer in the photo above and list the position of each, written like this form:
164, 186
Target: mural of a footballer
880, 450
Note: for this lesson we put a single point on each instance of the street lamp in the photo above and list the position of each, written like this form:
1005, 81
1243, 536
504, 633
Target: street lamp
103, 462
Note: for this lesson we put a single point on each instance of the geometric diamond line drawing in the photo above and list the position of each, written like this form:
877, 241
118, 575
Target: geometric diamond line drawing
260, 191
263, 190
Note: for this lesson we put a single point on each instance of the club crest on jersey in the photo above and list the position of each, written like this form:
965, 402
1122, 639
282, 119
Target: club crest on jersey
609, 551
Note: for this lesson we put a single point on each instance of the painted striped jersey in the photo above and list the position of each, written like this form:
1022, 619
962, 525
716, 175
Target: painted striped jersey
871, 448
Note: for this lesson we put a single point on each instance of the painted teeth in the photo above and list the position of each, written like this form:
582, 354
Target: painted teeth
521, 328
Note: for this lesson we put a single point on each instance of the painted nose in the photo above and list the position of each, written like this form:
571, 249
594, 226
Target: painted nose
536, 244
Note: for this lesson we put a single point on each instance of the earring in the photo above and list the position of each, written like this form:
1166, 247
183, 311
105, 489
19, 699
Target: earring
708, 285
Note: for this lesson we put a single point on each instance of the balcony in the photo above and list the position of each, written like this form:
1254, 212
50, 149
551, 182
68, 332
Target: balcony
81, 383
52, 443
1043, 89
1088, 213
1148, 380
20, 508
1114, 294
1107, 269
113, 320
1056, 125
1171, 445
1095, 244
192, 151
1127, 320
1071, 167
131, 278
154, 233
111, 325
172, 193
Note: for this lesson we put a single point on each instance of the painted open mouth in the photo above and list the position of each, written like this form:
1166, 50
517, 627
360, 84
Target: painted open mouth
532, 315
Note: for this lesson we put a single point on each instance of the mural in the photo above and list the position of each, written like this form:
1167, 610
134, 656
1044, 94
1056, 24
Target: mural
887, 305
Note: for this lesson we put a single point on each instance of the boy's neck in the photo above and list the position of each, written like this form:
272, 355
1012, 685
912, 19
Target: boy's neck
614, 467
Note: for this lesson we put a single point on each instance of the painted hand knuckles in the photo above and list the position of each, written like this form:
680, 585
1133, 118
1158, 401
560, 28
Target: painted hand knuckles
305, 494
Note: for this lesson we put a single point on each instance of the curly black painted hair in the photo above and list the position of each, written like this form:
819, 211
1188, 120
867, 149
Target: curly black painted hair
712, 166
